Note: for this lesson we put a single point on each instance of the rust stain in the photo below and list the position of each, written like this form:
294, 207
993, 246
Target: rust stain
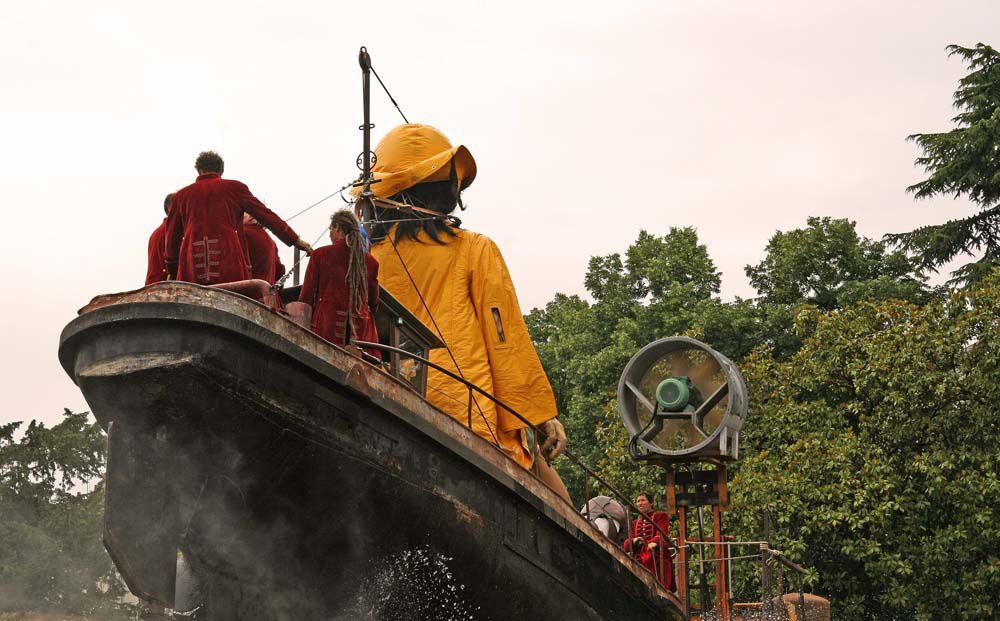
466, 514
357, 378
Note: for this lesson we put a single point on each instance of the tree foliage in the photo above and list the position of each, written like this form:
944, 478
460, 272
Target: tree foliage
51, 499
827, 264
658, 288
875, 448
964, 162
871, 438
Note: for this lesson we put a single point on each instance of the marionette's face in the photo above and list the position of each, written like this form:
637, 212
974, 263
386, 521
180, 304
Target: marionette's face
643, 503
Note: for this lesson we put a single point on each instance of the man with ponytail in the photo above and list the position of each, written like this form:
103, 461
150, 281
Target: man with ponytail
341, 285
457, 283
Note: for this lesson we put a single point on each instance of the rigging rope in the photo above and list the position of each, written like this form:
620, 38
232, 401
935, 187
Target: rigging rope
278, 284
389, 94
325, 198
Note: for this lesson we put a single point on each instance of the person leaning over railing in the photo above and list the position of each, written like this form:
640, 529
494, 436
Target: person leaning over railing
457, 283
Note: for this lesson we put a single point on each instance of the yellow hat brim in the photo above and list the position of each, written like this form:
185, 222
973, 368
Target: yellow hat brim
436, 168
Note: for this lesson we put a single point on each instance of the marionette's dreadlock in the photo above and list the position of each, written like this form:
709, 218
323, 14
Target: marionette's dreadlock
357, 279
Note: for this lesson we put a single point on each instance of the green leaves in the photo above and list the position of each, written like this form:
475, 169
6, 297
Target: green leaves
963, 162
51, 555
827, 264
876, 443
872, 436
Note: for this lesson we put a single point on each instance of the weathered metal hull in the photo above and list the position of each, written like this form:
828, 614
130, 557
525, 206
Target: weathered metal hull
302, 483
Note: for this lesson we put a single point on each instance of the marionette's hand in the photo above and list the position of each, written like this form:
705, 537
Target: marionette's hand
653, 545
554, 442
304, 246
637, 542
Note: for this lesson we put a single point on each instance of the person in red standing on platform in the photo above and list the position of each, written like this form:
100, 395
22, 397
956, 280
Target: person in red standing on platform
156, 268
204, 240
341, 285
265, 263
646, 544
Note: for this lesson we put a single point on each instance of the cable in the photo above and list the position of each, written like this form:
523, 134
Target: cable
389, 94
278, 284
329, 196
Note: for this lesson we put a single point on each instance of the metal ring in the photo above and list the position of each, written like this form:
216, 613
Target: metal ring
361, 162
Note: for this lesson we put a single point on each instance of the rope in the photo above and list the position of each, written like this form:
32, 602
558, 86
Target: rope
363, 222
329, 196
725, 558
389, 94
278, 284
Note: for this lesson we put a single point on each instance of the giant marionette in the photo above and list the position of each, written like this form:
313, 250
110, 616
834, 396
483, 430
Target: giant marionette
456, 281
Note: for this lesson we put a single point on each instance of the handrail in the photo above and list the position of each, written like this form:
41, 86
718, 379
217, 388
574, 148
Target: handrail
473, 387
766, 555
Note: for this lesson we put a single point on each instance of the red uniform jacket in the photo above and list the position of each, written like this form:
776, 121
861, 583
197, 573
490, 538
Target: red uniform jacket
657, 561
204, 240
264, 261
156, 269
325, 289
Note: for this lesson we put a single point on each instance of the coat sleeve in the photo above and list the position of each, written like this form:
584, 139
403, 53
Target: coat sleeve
156, 270
662, 520
262, 214
172, 239
627, 544
309, 286
518, 377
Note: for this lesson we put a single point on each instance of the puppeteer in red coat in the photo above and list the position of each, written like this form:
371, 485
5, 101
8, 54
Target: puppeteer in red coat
329, 283
646, 545
156, 267
265, 263
204, 239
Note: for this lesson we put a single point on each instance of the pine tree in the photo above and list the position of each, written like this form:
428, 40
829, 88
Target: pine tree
963, 161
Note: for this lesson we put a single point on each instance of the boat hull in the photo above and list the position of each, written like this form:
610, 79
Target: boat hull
299, 482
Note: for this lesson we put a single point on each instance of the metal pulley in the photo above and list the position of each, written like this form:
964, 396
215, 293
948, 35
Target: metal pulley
682, 401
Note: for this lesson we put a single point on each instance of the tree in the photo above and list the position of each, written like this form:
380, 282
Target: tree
963, 161
51, 555
654, 291
874, 447
828, 265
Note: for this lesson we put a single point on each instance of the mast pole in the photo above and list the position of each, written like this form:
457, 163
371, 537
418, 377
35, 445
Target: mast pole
365, 205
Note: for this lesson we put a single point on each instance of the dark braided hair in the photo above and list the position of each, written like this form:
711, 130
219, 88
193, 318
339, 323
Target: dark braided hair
357, 275
439, 196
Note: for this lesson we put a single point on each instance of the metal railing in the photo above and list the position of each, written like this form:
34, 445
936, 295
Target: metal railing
773, 561
588, 472
773, 564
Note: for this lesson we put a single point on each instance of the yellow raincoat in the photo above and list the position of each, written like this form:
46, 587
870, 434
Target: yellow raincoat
468, 289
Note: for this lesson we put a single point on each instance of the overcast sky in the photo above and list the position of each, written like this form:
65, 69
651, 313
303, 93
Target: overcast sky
589, 122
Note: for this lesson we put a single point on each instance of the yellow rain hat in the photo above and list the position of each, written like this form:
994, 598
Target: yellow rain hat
411, 154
